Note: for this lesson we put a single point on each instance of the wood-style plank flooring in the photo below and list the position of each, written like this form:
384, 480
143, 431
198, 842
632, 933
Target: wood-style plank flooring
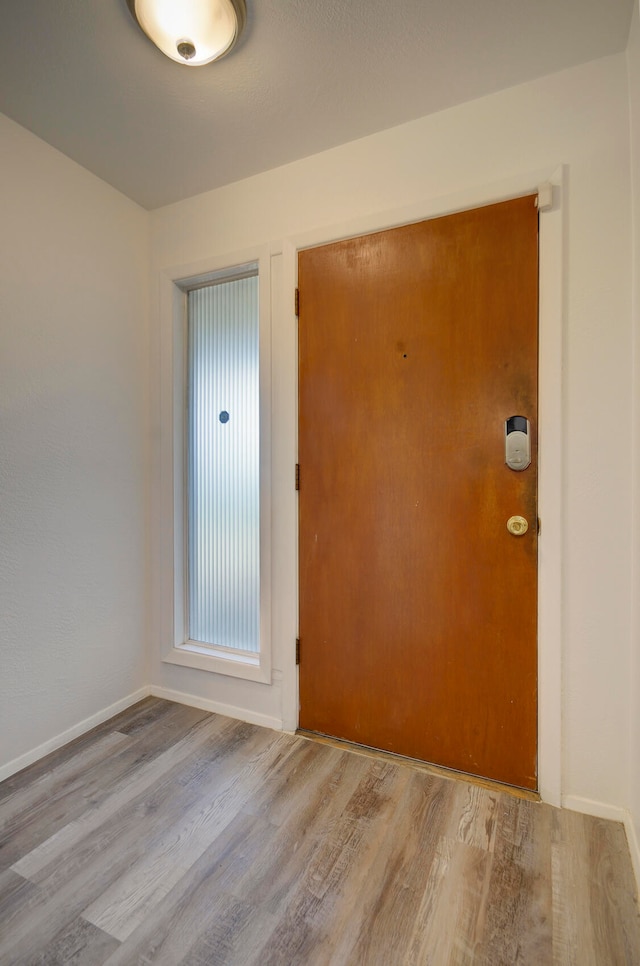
173, 836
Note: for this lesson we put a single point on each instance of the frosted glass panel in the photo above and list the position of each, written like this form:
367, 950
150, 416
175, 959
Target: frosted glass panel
223, 465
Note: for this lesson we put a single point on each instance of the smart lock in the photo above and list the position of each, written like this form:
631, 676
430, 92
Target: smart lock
517, 443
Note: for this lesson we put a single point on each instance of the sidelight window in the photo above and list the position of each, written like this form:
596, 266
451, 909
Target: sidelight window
216, 343
223, 466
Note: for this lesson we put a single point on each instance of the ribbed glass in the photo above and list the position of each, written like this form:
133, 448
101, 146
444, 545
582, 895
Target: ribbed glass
223, 486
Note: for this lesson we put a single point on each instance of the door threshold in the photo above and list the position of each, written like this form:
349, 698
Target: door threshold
437, 770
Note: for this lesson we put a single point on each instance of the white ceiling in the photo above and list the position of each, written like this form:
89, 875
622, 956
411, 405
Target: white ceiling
307, 75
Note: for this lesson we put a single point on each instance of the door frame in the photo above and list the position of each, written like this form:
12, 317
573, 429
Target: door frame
550, 420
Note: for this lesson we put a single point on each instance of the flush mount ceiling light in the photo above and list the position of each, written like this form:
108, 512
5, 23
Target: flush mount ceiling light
192, 32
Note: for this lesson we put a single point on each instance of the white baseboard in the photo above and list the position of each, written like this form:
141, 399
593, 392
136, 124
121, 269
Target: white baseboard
217, 707
242, 714
75, 731
590, 806
634, 847
616, 814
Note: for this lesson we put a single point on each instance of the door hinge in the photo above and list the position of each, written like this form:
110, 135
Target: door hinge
297, 301
539, 526
297, 650
297, 476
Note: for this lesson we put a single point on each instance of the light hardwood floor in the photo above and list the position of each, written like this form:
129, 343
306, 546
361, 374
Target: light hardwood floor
172, 836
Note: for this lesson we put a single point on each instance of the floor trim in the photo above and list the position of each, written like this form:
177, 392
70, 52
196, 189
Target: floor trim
613, 813
217, 707
29, 757
590, 806
634, 847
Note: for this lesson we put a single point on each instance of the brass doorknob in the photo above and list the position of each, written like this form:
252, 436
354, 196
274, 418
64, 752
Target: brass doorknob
517, 526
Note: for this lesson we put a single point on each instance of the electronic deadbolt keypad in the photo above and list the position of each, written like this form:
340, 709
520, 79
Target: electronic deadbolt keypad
517, 443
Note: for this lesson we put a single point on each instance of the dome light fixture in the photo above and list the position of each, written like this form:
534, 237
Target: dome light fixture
192, 32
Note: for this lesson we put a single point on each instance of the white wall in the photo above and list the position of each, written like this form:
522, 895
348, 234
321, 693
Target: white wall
633, 59
73, 446
578, 118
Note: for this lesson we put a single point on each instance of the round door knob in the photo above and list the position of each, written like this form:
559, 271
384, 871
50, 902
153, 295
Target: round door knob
517, 526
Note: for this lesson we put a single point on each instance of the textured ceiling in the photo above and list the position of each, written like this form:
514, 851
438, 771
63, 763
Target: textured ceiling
307, 75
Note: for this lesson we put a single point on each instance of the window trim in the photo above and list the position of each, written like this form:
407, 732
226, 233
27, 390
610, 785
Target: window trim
177, 647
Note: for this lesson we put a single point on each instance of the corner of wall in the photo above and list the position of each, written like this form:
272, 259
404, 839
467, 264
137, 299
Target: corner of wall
633, 68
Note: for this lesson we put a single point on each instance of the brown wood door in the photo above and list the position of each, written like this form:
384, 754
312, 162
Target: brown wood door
417, 606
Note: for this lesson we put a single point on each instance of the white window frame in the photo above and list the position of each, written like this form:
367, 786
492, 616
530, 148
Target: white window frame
177, 647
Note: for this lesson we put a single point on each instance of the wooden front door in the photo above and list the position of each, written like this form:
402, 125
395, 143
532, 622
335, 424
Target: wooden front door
417, 605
